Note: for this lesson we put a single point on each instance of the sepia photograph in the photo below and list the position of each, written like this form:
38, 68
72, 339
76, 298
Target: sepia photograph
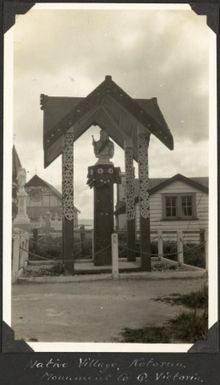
110, 223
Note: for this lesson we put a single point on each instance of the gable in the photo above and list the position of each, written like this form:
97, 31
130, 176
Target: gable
177, 187
194, 183
36, 181
123, 113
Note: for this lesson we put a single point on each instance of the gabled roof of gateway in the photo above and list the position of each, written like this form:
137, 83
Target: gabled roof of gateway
107, 105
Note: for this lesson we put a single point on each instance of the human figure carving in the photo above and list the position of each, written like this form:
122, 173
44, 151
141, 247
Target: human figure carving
103, 148
21, 178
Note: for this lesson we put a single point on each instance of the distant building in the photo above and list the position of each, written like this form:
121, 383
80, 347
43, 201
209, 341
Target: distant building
16, 164
44, 204
177, 203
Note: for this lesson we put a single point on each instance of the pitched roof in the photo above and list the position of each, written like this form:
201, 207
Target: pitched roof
37, 181
62, 113
156, 184
16, 163
197, 183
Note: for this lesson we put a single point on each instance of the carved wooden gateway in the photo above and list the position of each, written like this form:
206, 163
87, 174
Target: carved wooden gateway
129, 122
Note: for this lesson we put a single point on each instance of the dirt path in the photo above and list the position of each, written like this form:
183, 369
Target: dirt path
92, 311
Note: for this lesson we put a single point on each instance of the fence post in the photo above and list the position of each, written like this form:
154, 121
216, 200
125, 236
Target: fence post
15, 254
82, 239
35, 241
180, 256
25, 252
160, 245
115, 270
93, 252
204, 246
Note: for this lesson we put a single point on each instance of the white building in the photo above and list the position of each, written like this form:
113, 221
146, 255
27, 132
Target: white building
177, 203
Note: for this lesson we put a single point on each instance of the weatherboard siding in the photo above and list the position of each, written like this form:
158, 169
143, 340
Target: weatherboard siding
156, 219
46, 200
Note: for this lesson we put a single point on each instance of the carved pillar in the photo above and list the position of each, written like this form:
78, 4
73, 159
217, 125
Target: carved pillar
68, 203
130, 199
145, 248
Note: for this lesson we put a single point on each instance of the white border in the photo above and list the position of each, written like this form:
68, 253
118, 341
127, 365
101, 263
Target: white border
7, 172
7, 190
213, 190
105, 6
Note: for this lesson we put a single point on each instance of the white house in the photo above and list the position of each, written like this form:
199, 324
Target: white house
177, 203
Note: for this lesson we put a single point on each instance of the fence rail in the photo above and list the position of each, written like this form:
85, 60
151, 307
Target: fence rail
179, 238
21, 248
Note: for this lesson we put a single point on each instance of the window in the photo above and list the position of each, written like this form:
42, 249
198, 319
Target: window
187, 209
171, 208
179, 206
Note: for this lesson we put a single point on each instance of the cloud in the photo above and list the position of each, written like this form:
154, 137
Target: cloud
161, 54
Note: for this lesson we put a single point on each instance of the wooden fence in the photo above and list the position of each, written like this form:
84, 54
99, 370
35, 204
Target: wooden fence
181, 239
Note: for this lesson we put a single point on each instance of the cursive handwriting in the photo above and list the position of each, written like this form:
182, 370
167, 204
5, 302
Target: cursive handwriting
54, 377
97, 364
49, 364
92, 370
143, 363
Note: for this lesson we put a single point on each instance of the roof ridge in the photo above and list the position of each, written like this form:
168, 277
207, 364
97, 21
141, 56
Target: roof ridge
57, 192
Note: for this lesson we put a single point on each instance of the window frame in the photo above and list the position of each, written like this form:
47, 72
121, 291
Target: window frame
179, 210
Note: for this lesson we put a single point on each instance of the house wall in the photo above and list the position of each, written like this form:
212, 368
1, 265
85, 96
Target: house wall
47, 199
37, 210
157, 222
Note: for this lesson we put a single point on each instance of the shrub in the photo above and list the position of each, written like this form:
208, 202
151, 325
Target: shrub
194, 255
170, 250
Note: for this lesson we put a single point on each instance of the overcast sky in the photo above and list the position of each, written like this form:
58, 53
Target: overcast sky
161, 54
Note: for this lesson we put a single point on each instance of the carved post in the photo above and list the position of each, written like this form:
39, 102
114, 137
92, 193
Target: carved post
130, 199
68, 203
145, 247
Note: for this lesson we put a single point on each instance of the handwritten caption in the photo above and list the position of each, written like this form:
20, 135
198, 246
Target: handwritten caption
140, 371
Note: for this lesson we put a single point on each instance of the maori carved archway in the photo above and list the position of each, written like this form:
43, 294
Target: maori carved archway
129, 122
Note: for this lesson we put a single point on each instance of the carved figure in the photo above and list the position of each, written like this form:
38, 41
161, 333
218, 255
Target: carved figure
21, 178
103, 148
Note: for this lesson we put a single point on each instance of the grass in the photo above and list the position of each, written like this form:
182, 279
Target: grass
193, 300
190, 326
149, 335
186, 327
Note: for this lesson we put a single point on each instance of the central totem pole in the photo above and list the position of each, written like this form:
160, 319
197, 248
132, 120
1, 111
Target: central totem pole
101, 177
